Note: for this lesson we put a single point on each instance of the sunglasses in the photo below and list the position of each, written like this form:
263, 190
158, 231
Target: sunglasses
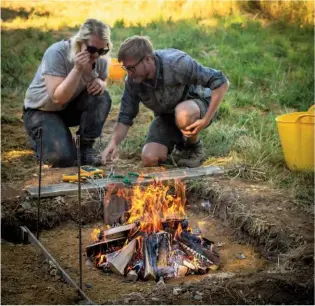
92, 50
133, 67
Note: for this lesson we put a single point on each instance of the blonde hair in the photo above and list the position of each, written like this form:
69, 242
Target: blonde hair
90, 27
135, 47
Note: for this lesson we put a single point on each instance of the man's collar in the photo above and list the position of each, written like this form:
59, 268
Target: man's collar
158, 74
159, 71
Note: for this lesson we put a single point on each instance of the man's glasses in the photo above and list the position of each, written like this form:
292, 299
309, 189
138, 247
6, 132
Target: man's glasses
92, 50
133, 67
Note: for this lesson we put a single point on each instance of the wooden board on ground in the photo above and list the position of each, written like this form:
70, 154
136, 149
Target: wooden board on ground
72, 188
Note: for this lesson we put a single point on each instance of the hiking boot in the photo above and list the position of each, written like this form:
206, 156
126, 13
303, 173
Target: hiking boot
89, 156
192, 156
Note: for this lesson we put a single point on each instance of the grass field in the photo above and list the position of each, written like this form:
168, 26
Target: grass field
269, 62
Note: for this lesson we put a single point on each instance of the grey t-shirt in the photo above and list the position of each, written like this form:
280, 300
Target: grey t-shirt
55, 62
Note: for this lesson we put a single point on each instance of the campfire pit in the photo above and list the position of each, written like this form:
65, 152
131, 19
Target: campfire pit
154, 239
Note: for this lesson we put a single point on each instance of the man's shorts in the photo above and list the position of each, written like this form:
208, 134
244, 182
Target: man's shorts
163, 129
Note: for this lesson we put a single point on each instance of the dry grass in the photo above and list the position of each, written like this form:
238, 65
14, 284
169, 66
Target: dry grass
57, 15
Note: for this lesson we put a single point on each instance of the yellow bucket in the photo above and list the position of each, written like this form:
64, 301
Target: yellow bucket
296, 132
116, 72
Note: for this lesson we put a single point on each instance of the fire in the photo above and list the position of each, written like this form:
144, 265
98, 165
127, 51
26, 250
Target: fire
154, 239
152, 205
95, 234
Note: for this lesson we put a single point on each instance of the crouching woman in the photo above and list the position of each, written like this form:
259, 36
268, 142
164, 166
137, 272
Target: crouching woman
69, 90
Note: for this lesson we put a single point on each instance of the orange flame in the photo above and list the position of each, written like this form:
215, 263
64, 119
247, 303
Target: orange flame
95, 234
153, 204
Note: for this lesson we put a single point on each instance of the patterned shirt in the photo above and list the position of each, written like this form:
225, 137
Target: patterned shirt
178, 78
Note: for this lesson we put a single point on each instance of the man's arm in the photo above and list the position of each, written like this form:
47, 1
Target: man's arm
61, 89
190, 72
119, 134
216, 98
129, 109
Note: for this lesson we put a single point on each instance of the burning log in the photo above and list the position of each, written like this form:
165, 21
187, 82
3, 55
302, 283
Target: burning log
103, 246
149, 254
199, 247
163, 252
119, 231
118, 264
181, 271
187, 263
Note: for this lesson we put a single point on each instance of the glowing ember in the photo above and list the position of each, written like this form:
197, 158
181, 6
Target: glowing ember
155, 240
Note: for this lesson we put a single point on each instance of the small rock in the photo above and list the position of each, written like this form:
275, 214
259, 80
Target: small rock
35, 175
161, 283
199, 293
52, 264
206, 204
240, 256
279, 208
88, 285
155, 299
197, 297
176, 291
34, 286
53, 272
88, 262
26, 205
220, 244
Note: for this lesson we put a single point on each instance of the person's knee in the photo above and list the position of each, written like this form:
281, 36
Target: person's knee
149, 159
102, 102
185, 116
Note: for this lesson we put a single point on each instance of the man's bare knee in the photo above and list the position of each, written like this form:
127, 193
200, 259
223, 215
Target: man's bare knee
186, 113
149, 159
153, 153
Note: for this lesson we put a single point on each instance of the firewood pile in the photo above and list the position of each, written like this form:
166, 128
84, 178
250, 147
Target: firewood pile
156, 241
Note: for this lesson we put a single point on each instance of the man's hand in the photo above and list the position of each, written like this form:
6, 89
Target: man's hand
195, 128
109, 153
81, 60
96, 87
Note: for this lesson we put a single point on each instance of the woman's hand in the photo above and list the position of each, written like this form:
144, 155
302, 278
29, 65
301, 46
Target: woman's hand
96, 87
81, 60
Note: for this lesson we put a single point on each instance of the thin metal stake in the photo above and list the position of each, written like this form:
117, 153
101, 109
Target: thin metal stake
40, 131
80, 208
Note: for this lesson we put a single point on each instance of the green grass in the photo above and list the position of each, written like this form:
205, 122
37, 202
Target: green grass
270, 67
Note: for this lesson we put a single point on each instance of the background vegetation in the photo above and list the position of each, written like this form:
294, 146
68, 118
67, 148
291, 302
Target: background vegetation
266, 49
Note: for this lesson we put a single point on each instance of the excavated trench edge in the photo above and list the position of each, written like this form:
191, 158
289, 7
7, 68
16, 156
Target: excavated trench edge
29, 237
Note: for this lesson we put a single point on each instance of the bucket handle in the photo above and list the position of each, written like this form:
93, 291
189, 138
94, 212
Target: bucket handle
303, 116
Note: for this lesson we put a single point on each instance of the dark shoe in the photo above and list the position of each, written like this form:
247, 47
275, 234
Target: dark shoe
89, 156
191, 156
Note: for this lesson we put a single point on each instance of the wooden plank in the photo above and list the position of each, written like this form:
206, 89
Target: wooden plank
72, 188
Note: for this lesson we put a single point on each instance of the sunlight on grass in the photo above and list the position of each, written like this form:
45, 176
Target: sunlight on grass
56, 15
14, 154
